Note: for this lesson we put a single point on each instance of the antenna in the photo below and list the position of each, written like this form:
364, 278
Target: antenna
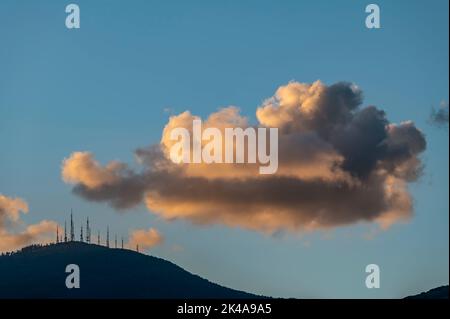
65, 231
88, 232
72, 230
107, 236
98, 238
57, 234
137, 247
122, 242
81, 234
115, 241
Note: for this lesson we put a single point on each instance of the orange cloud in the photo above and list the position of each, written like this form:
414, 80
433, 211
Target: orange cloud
145, 238
40, 233
339, 164
10, 208
81, 168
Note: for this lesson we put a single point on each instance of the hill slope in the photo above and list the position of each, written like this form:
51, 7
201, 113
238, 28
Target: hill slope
104, 273
436, 293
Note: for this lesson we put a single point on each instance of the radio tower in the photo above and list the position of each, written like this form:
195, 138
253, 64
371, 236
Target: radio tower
107, 236
122, 242
81, 234
98, 238
72, 230
115, 241
65, 232
88, 232
57, 234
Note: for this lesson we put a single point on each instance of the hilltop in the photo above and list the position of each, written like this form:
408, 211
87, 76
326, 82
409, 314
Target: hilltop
39, 272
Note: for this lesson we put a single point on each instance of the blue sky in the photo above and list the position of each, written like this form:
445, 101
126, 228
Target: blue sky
105, 87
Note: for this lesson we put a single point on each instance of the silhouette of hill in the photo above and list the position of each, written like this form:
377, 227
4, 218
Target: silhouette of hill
436, 293
39, 272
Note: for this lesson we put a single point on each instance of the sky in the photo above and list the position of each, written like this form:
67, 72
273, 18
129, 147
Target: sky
110, 87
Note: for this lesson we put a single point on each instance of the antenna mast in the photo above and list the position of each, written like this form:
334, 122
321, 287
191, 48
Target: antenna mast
107, 236
88, 229
72, 230
65, 231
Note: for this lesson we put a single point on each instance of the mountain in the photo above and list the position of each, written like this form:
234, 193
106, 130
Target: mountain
39, 272
436, 293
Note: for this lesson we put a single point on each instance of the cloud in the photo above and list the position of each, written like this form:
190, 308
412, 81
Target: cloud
41, 232
82, 168
10, 238
145, 238
339, 164
10, 209
439, 117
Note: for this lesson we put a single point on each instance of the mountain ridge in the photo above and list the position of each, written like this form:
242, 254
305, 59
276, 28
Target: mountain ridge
113, 273
39, 272
435, 293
